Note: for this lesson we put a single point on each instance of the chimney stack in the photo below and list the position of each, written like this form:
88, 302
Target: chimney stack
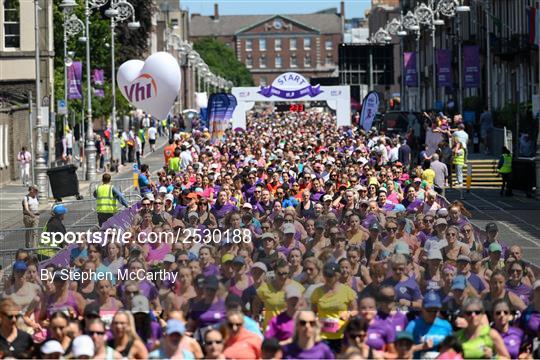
216, 11
342, 9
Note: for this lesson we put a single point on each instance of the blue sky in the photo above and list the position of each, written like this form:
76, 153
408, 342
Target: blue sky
353, 8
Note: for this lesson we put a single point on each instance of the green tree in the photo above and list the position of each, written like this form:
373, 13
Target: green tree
222, 61
130, 44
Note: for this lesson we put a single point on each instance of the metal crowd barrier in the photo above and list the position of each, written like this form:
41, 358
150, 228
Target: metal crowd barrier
124, 185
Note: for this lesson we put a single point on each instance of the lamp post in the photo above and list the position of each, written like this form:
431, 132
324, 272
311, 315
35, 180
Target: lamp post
90, 148
395, 27
381, 37
40, 167
119, 11
72, 26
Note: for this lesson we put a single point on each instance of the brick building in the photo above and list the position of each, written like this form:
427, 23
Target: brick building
270, 45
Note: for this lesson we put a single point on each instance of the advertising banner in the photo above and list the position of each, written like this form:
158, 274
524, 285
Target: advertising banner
411, 76
74, 76
370, 105
471, 66
444, 68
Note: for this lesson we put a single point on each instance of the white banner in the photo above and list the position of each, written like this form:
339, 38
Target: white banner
370, 105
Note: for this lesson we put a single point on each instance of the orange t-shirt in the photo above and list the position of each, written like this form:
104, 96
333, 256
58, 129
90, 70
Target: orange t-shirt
168, 152
244, 345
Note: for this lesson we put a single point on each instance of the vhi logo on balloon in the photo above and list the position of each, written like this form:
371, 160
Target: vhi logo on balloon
141, 89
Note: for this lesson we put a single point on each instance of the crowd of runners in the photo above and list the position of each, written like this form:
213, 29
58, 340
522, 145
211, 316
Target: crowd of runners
291, 239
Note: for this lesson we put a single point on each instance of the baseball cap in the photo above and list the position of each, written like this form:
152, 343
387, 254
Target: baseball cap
375, 227
327, 198
247, 206
175, 327
226, 258
463, 258
82, 345
260, 265
169, 197
59, 209
267, 235
289, 229
402, 248
211, 282
404, 335
434, 254
417, 179
239, 260
459, 283
330, 269
491, 227
162, 190
20, 265
193, 214
52, 347
442, 212
140, 304
292, 291
432, 300
494, 246
169, 258
91, 309
441, 221
399, 208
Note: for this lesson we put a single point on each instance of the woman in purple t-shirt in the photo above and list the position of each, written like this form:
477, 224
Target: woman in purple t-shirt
512, 336
306, 343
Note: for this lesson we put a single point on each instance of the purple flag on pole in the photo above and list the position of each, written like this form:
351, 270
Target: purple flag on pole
74, 76
444, 68
411, 76
98, 77
471, 66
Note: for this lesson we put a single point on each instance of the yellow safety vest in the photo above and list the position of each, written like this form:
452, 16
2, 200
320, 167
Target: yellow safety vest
42, 244
174, 164
506, 168
459, 159
122, 143
105, 203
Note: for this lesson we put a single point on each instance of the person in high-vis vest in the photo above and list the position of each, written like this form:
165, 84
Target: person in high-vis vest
53, 225
174, 162
505, 169
459, 162
107, 198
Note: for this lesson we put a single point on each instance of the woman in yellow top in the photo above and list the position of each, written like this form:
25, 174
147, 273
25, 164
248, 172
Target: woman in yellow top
271, 293
478, 339
334, 304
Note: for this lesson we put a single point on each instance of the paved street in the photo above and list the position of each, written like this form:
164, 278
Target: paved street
80, 214
518, 217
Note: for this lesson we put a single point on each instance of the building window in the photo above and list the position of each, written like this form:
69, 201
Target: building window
174, 22
12, 18
249, 45
329, 59
279, 62
294, 61
277, 44
263, 81
307, 60
328, 44
262, 44
262, 61
249, 61
292, 44
307, 43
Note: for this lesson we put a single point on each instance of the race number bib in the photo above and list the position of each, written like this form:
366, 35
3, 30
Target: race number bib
330, 325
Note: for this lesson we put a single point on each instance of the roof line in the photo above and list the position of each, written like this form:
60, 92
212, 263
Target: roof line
273, 17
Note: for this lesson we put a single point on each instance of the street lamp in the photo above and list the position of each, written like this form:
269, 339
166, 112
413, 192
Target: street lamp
381, 36
89, 6
72, 26
119, 11
395, 27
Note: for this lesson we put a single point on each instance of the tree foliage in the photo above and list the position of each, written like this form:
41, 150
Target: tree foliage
222, 61
129, 44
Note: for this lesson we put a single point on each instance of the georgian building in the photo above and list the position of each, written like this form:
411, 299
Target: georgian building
270, 45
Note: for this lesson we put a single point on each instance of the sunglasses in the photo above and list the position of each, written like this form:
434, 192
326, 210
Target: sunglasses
283, 273
473, 312
146, 204
311, 323
11, 316
92, 333
502, 312
518, 271
391, 229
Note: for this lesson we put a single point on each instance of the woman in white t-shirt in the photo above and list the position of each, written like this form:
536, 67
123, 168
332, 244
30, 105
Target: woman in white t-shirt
24, 157
152, 133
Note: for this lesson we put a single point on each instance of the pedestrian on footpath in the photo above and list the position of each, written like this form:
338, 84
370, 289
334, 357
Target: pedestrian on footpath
459, 162
505, 169
441, 173
30, 206
25, 158
107, 198
152, 134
